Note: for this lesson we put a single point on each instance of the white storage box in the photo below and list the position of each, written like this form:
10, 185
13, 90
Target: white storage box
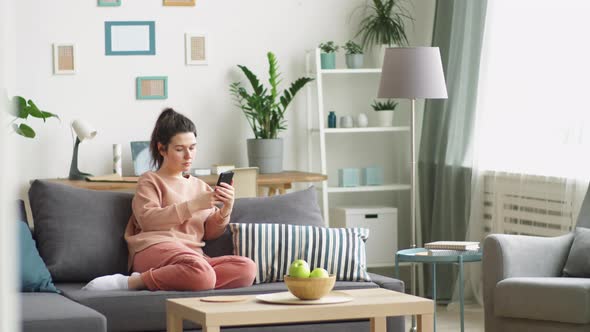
382, 225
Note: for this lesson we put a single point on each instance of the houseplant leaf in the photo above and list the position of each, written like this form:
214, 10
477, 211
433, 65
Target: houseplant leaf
23, 130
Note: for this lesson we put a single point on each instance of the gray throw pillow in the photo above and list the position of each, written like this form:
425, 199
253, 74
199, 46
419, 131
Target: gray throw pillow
297, 208
79, 232
578, 260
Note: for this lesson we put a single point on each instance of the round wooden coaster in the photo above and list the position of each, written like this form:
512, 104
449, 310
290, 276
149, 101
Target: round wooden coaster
227, 298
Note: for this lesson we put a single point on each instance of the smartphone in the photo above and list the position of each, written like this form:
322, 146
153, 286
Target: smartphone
225, 177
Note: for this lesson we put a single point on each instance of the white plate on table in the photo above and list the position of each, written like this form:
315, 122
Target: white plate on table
288, 298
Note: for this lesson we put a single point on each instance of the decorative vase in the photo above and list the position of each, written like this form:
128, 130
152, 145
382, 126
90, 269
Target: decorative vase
266, 154
328, 60
354, 61
332, 120
362, 120
385, 118
346, 121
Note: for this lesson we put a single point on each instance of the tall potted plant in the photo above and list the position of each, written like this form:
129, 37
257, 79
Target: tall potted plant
264, 109
384, 26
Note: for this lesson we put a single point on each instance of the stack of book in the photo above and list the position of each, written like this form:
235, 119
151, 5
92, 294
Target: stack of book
450, 248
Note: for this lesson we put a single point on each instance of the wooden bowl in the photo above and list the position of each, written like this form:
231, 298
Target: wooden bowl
310, 288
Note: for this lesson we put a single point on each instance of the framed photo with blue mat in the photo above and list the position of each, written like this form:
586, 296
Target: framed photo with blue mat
152, 87
142, 159
130, 37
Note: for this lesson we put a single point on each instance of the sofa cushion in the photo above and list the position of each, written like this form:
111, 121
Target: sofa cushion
296, 208
47, 312
578, 260
79, 232
341, 251
146, 310
34, 276
564, 300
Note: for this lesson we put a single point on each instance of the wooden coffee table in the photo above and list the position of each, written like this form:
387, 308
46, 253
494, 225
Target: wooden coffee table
374, 304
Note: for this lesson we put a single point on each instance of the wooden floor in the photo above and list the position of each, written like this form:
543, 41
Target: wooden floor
449, 320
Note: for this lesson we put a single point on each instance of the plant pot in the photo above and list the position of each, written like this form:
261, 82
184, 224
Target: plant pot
385, 118
328, 60
354, 61
378, 53
266, 154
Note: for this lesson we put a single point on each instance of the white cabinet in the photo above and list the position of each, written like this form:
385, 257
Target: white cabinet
358, 79
382, 225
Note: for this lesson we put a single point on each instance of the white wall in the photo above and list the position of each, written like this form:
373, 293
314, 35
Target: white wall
103, 90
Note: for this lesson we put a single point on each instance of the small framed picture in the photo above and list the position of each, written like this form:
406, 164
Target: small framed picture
109, 3
179, 2
152, 87
130, 37
64, 59
195, 45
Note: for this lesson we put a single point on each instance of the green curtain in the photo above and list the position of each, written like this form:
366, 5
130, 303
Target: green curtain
445, 159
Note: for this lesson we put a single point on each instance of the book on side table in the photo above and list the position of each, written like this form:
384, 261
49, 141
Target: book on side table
452, 245
447, 252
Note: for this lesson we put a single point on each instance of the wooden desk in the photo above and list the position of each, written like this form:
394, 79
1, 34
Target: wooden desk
273, 181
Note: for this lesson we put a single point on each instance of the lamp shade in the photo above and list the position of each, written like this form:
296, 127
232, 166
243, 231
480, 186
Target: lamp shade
83, 130
412, 72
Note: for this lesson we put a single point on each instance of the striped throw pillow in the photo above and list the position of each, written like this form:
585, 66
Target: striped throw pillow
341, 251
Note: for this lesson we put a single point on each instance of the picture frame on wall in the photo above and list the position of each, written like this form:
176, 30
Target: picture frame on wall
109, 3
64, 59
130, 37
151, 87
179, 2
196, 48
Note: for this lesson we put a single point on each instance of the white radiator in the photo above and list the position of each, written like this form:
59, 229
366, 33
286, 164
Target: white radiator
527, 205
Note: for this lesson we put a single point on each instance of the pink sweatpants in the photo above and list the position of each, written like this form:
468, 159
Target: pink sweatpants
173, 266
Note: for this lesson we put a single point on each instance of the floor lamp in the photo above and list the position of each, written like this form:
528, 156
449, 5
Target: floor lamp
411, 73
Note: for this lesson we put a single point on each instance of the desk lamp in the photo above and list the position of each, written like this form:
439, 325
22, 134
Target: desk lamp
83, 131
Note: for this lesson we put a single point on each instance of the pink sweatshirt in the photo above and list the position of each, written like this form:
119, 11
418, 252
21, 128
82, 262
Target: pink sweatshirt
162, 213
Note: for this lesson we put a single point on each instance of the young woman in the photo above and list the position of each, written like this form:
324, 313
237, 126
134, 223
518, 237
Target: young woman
172, 215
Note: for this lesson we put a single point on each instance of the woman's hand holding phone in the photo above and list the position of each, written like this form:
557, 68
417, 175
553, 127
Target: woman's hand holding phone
225, 193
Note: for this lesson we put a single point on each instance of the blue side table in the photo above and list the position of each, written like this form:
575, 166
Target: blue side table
409, 255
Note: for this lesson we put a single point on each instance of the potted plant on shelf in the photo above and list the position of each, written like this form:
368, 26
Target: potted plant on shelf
21, 109
385, 112
264, 109
354, 55
384, 26
328, 55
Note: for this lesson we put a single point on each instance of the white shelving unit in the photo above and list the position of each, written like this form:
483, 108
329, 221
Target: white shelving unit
323, 131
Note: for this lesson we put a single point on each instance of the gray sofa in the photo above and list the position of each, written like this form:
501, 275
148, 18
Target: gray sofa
79, 235
525, 283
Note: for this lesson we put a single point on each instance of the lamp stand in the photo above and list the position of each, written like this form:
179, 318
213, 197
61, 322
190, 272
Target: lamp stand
75, 174
413, 199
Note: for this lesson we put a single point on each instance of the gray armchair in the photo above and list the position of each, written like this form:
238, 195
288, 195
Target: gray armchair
523, 285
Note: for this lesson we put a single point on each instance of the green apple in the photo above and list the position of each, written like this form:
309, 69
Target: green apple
318, 272
299, 269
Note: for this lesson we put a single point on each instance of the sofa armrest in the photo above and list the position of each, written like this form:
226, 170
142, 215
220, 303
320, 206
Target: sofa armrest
387, 282
506, 256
